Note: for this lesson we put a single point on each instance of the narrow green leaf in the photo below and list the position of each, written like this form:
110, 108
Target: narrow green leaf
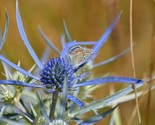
12, 122
33, 110
2, 110
7, 70
97, 118
104, 102
11, 116
25, 106
42, 108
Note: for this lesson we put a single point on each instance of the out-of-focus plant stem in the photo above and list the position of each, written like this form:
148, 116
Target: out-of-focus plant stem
116, 42
133, 64
116, 113
116, 34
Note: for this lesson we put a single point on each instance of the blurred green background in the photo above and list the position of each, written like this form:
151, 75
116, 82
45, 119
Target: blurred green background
86, 21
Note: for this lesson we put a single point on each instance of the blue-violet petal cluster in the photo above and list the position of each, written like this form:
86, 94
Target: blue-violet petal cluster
53, 74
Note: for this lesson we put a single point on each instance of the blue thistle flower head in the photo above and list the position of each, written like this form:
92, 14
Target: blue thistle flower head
53, 74
59, 76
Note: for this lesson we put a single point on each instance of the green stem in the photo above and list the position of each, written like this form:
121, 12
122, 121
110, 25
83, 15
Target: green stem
53, 105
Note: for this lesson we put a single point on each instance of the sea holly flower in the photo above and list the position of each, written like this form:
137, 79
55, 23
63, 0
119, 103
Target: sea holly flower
53, 73
59, 75
7, 93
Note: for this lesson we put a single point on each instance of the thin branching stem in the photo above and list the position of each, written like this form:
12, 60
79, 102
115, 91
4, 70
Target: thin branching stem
53, 105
